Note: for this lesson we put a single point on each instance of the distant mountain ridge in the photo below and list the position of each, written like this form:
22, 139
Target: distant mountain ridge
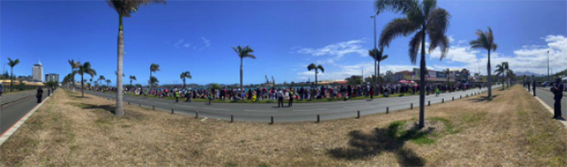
527, 73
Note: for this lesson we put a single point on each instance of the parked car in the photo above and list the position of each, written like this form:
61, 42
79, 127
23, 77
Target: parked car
544, 84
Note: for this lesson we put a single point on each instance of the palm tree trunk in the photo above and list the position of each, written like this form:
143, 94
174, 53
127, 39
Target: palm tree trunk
150, 90
119, 110
316, 77
241, 73
82, 92
422, 82
488, 77
375, 71
12, 79
378, 73
183, 83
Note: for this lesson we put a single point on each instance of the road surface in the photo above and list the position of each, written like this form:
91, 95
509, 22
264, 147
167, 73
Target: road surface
298, 112
15, 106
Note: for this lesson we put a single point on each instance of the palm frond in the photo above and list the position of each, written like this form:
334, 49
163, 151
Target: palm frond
489, 36
126, 7
250, 56
384, 57
439, 40
494, 47
311, 66
414, 45
397, 27
373, 53
397, 6
438, 21
320, 67
428, 6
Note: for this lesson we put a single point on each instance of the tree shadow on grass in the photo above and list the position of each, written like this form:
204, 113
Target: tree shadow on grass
80, 97
483, 99
109, 108
362, 146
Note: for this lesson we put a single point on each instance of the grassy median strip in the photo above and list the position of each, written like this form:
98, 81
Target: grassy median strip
512, 129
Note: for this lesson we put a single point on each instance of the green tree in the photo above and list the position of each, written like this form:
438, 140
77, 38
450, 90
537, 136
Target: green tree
84, 69
243, 52
312, 66
12, 63
377, 55
153, 68
124, 8
425, 18
504, 71
100, 78
108, 81
185, 75
132, 78
74, 65
153, 81
485, 40
354, 79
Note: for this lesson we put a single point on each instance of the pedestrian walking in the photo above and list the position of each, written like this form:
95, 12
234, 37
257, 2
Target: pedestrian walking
534, 87
557, 90
39, 94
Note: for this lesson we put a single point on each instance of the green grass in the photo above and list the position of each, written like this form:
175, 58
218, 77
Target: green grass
396, 131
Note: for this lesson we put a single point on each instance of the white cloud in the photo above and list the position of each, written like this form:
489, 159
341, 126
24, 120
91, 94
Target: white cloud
457, 53
335, 51
187, 45
451, 39
178, 43
345, 71
206, 42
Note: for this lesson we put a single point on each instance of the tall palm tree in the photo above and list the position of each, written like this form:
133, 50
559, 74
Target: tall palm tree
91, 81
100, 78
84, 69
132, 77
425, 18
124, 8
243, 52
184, 75
312, 66
74, 65
153, 68
377, 55
108, 81
485, 40
12, 63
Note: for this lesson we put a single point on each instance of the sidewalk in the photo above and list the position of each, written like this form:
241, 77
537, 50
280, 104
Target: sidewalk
549, 108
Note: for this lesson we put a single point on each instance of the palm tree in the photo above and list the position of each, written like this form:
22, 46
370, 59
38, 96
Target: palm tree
84, 69
91, 81
425, 18
485, 40
108, 81
376, 54
74, 65
124, 8
132, 77
153, 80
504, 71
153, 68
312, 66
100, 78
184, 75
243, 53
12, 63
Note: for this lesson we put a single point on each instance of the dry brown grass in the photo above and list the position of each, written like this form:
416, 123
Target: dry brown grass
511, 130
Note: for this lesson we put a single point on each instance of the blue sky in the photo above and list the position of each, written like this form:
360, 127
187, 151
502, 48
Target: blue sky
286, 36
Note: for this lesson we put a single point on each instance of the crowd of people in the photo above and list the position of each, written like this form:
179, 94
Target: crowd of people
312, 92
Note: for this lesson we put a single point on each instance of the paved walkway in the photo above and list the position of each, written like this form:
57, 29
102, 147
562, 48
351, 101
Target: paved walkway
298, 112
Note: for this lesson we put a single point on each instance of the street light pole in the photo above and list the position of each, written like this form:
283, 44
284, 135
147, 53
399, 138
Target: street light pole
547, 66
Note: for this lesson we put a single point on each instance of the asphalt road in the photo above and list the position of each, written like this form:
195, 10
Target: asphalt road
546, 96
19, 105
298, 112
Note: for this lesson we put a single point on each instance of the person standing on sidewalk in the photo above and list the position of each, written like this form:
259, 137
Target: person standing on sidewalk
557, 90
534, 86
177, 96
279, 95
529, 89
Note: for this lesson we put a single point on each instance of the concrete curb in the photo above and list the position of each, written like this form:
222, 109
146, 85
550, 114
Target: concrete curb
16, 126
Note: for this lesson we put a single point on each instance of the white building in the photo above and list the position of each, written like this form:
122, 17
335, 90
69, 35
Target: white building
37, 72
52, 77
